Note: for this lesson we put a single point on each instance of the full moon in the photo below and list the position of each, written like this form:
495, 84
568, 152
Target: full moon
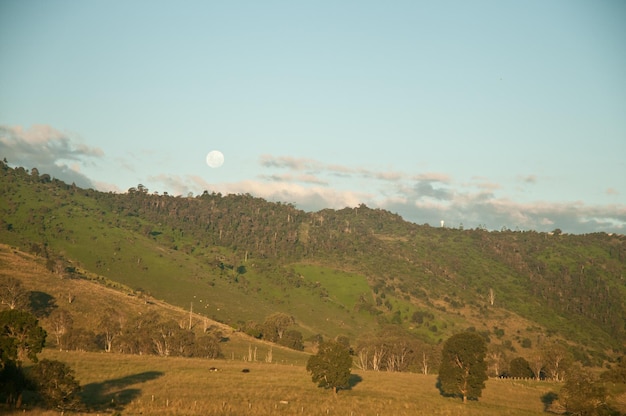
215, 159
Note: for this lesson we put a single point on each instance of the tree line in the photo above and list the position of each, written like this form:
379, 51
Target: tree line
463, 371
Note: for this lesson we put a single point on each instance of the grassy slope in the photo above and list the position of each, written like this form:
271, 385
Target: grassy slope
110, 246
173, 386
91, 299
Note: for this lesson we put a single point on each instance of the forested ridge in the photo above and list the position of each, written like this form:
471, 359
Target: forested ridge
571, 285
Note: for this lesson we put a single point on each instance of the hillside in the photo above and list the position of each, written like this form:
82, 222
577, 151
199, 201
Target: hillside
87, 301
349, 272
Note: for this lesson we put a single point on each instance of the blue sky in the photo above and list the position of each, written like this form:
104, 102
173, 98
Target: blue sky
483, 113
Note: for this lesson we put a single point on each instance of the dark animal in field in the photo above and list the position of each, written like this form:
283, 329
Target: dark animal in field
245, 370
214, 369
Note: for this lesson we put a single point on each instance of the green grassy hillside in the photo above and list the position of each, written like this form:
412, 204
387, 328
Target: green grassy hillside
349, 272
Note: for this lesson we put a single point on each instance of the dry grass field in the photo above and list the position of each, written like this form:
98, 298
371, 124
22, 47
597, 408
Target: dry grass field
150, 385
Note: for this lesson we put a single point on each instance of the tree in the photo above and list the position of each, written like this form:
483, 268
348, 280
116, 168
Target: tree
496, 357
275, 326
20, 336
8, 351
330, 367
110, 324
558, 360
582, 394
292, 339
55, 383
62, 322
80, 339
12, 383
536, 364
28, 337
463, 369
520, 368
427, 357
207, 346
12, 293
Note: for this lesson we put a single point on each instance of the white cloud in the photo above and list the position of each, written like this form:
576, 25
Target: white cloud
49, 150
423, 203
286, 177
429, 197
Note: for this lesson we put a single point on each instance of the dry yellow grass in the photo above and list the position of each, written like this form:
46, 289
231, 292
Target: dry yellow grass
150, 385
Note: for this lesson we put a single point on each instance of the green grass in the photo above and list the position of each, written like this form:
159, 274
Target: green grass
343, 288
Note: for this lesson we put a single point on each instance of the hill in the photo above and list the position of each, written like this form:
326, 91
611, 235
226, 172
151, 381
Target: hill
87, 301
351, 272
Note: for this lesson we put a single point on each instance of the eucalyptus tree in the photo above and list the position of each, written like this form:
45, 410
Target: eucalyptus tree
331, 366
463, 369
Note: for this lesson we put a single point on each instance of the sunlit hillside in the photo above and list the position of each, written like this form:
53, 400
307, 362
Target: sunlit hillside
354, 273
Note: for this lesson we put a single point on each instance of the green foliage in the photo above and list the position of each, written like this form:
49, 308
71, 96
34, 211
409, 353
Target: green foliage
20, 337
275, 326
463, 369
28, 338
292, 339
520, 367
56, 385
330, 367
8, 350
582, 394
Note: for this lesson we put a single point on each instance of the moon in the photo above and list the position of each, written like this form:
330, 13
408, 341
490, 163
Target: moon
215, 159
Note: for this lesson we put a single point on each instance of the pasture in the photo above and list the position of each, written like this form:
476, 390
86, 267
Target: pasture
151, 385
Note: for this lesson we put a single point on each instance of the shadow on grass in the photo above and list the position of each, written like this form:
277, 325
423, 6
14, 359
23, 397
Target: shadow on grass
42, 304
117, 393
354, 380
548, 400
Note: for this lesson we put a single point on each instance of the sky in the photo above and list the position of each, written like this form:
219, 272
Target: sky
493, 114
